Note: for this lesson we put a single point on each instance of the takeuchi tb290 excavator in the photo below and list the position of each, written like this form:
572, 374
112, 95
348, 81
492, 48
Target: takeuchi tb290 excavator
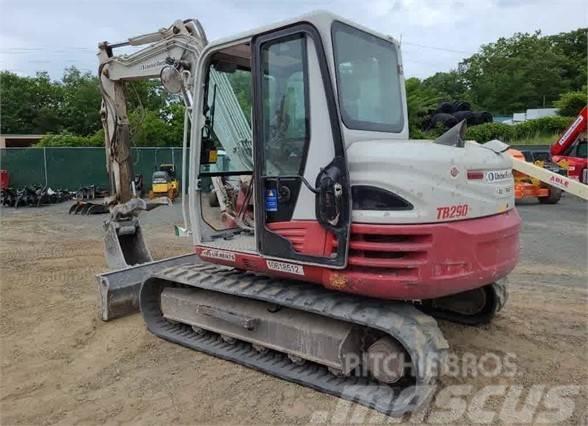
325, 241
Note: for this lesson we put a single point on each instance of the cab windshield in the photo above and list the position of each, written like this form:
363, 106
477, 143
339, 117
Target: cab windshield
368, 80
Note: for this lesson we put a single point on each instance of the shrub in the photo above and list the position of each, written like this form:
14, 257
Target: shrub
571, 103
541, 126
545, 126
488, 131
67, 139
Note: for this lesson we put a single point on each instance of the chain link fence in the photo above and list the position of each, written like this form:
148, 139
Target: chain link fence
72, 168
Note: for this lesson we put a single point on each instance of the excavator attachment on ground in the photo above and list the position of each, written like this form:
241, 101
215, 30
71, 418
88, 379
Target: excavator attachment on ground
325, 241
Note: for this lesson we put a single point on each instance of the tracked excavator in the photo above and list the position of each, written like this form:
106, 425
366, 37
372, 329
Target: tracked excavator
326, 243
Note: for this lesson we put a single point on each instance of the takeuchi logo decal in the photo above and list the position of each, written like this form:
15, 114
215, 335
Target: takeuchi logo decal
498, 175
153, 65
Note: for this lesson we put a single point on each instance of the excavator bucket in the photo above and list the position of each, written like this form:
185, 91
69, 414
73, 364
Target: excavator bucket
124, 245
129, 259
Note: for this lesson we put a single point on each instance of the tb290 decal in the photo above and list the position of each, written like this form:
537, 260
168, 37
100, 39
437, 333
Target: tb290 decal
453, 212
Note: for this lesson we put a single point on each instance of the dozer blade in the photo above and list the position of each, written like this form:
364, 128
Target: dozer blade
118, 291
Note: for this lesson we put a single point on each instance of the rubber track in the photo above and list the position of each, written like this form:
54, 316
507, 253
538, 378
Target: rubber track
497, 293
417, 331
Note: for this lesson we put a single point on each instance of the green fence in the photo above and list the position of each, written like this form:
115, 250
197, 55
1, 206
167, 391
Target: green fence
72, 168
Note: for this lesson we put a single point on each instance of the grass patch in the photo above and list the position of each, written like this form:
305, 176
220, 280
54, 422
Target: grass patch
536, 140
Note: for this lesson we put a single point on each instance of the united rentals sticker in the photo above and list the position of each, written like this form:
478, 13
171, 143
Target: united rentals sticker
498, 175
218, 254
289, 268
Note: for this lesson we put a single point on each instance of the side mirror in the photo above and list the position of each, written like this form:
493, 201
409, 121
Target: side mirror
329, 196
171, 79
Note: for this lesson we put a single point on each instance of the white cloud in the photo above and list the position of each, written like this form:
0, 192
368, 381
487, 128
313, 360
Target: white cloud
60, 33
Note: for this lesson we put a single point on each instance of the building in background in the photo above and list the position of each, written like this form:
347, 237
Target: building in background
19, 141
530, 114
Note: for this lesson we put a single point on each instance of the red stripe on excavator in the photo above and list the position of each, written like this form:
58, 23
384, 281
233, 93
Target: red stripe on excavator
404, 261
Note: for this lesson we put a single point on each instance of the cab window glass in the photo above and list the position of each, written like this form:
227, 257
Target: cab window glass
368, 80
285, 106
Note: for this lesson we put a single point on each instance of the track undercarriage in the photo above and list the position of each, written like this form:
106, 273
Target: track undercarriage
382, 354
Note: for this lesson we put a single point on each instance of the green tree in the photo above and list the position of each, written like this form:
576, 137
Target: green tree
420, 99
68, 139
516, 73
241, 82
29, 104
574, 46
173, 114
451, 86
157, 128
571, 103
80, 110
146, 94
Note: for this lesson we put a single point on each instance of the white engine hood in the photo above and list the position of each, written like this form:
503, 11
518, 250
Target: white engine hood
431, 177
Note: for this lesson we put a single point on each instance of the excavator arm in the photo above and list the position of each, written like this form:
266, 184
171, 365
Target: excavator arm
171, 54
178, 45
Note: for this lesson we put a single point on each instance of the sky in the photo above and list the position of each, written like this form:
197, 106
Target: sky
50, 35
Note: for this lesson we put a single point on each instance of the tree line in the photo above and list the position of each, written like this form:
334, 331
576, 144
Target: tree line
68, 111
510, 75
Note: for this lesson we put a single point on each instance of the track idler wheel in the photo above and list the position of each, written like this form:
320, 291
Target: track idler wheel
386, 360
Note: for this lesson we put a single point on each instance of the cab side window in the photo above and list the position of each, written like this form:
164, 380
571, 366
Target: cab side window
285, 106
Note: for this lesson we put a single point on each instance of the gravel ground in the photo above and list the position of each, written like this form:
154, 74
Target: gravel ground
61, 365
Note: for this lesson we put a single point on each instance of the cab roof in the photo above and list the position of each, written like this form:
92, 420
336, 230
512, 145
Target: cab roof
321, 19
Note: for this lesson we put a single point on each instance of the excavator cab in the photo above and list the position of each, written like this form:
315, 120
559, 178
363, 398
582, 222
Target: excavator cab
289, 158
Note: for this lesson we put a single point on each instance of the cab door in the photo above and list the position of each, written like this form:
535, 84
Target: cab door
303, 204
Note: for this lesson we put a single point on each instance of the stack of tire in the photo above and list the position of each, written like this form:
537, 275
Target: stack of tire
448, 114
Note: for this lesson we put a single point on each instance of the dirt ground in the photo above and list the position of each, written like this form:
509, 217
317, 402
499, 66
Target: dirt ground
61, 365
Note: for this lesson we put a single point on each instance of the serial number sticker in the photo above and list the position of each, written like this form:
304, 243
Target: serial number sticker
492, 176
218, 254
290, 268
452, 212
